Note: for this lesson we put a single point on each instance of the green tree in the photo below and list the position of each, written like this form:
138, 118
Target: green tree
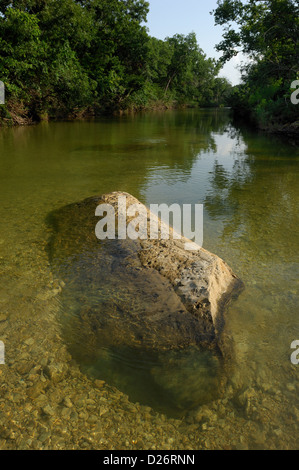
185, 54
65, 56
268, 32
22, 51
116, 58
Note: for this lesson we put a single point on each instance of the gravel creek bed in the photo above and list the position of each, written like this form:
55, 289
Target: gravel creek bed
46, 402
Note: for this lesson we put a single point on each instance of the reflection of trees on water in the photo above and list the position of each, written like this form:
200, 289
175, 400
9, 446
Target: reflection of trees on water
114, 153
258, 197
154, 141
234, 133
173, 139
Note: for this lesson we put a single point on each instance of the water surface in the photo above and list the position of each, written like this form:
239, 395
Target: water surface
248, 183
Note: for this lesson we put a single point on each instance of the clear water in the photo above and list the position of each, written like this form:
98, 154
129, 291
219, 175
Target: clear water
115, 318
248, 183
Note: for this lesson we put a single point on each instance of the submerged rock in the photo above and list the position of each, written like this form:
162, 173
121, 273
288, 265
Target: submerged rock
145, 315
148, 293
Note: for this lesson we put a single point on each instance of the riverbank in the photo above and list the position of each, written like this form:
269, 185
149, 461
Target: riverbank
16, 114
286, 129
291, 129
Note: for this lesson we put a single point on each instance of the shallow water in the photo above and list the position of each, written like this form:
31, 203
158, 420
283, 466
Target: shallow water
248, 183
115, 319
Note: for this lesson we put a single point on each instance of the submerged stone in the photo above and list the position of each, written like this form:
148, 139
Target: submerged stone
152, 293
137, 300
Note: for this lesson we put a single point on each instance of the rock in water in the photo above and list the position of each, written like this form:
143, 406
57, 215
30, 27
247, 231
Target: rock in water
150, 294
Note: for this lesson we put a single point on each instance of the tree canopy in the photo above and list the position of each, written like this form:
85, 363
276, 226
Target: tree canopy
61, 57
268, 32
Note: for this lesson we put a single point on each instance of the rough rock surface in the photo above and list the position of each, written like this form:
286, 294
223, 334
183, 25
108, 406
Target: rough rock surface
149, 293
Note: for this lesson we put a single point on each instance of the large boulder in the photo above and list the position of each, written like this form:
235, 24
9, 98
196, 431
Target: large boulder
146, 293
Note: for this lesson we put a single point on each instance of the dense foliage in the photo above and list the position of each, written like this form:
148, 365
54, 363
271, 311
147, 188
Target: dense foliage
268, 32
61, 57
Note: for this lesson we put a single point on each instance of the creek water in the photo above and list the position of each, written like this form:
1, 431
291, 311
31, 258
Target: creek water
248, 184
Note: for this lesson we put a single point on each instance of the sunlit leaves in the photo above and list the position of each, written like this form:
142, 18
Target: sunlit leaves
268, 32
